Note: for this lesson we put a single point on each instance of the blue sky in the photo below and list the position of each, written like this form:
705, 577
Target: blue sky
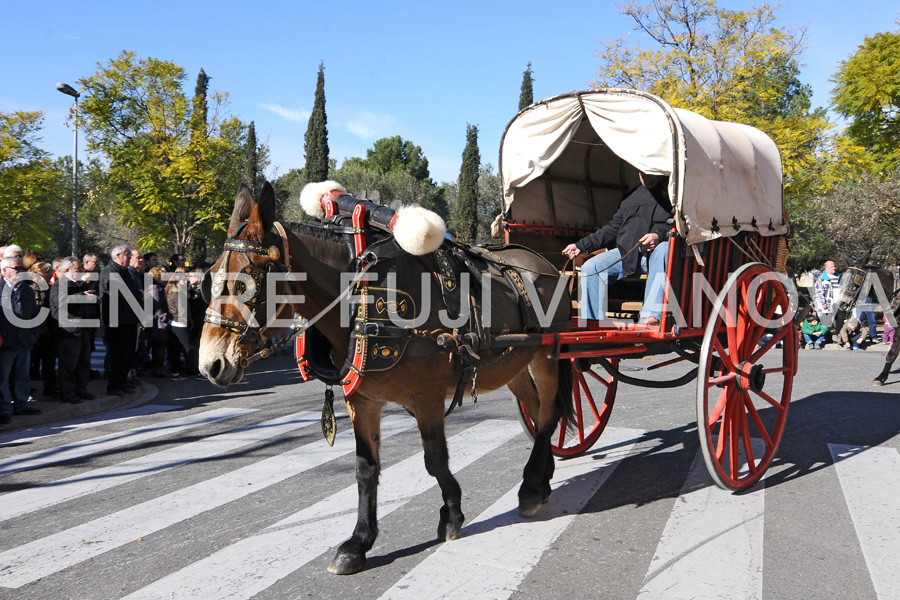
422, 70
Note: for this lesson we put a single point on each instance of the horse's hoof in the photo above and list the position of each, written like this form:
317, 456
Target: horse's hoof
529, 508
448, 529
878, 383
347, 563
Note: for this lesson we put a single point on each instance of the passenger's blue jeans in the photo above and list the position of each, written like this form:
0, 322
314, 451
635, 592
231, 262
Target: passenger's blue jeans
597, 274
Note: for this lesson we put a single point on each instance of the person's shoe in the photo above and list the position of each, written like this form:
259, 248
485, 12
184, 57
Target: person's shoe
84, 394
650, 321
177, 377
856, 348
201, 377
71, 399
28, 410
117, 392
5, 419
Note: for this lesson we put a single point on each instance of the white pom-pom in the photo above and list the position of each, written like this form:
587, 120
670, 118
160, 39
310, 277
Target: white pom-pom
311, 196
418, 230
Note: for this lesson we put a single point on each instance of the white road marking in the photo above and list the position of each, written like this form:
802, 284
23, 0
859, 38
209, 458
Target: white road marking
57, 454
254, 563
40, 558
868, 477
103, 419
28, 500
710, 530
498, 550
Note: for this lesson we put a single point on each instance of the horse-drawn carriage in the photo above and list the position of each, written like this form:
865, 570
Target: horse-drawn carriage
566, 163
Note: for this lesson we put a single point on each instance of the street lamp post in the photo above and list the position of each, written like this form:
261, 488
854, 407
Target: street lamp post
68, 90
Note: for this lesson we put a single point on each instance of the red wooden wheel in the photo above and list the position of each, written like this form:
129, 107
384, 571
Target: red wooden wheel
590, 417
745, 379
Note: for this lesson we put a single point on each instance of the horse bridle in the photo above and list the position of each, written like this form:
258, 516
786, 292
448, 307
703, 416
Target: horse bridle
249, 280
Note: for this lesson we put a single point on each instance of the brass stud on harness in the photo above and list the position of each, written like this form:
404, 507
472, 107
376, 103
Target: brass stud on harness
274, 253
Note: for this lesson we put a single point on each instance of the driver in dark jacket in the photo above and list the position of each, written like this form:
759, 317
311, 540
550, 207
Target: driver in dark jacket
637, 243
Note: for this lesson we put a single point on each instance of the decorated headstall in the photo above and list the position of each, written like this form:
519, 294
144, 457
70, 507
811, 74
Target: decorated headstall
375, 343
246, 287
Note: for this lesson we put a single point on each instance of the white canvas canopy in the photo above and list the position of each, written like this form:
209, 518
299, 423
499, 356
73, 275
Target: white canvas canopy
568, 160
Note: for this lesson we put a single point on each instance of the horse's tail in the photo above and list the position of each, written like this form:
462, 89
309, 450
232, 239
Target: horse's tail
563, 401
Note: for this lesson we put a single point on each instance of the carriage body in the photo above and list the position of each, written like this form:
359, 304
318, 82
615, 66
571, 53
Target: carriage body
567, 162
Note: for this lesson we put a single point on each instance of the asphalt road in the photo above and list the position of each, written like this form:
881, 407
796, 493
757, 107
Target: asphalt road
198, 492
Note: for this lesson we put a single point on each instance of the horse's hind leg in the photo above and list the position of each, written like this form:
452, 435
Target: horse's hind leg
547, 394
351, 555
430, 419
888, 362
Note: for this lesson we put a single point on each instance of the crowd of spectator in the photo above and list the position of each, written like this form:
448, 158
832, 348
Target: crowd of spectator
54, 312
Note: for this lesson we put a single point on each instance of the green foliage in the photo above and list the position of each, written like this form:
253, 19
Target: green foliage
315, 142
729, 66
392, 155
526, 94
854, 218
169, 172
465, 220
252, 171
35, 194
868, 92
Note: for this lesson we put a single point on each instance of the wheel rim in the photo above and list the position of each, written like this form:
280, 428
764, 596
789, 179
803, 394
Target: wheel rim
591, 413
745, 385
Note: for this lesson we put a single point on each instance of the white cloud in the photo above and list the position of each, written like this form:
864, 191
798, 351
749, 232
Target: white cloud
299, 116
369, 126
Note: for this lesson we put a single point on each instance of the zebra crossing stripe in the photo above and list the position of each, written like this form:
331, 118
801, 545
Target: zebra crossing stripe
710, 530
868, 477
107, 418
40, 558
483, 566
255, 563
43, 458
29, 500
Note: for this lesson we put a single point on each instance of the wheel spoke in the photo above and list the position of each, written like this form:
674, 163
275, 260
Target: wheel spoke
717, 409
760, 427
722, 379
769, 399
748, 444
734, 441
776, 337
726, 359
590, 400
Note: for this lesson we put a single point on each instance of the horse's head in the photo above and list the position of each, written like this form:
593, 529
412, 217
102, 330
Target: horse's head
239, 322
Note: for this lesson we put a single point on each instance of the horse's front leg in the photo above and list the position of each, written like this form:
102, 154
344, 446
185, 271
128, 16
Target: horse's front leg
888, 362
351, 555
430, 419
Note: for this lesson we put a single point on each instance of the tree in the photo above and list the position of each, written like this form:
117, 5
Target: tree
252, 174
868, 93
394, 154
526, 94
466, 210
34, 193
730, 66
166, 163
315, 142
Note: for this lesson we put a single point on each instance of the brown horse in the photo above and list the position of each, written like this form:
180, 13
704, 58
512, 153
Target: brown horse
421, 381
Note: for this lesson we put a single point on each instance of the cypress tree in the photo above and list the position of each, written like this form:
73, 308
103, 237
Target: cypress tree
251, 175
199, 107
315, 143
467, 196
526, 95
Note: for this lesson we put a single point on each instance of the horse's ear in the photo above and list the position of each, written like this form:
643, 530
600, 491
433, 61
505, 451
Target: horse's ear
266, 206
243, 203
262, 215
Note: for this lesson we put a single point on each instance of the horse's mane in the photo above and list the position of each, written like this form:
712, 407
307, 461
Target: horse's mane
316, 232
